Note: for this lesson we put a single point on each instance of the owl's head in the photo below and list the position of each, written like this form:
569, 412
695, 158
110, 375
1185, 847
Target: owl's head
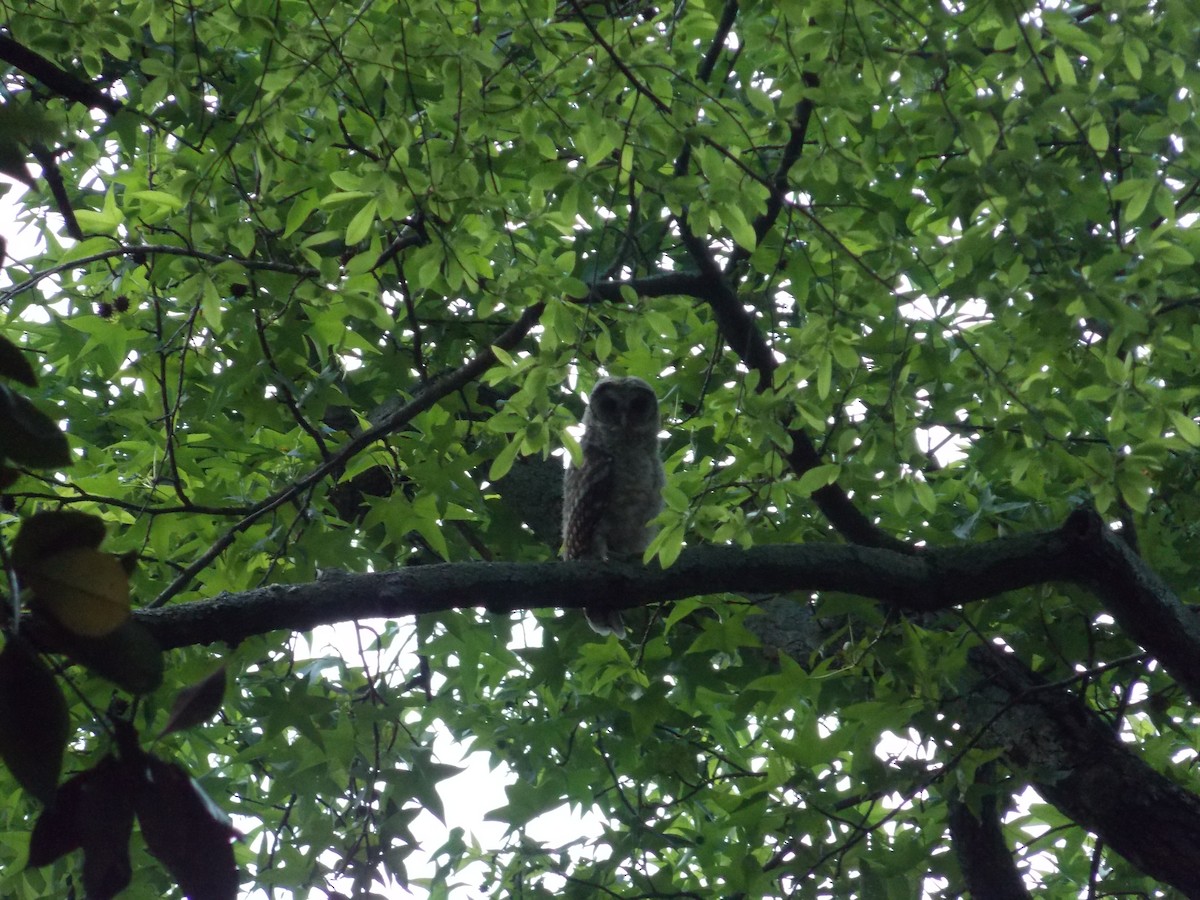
628, 404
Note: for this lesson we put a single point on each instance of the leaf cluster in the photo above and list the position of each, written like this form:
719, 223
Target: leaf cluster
320, 289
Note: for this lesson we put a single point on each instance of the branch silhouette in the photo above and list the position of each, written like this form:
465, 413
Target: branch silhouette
1083, 551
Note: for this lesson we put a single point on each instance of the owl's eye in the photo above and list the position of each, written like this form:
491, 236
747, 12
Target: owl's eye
606, 405
641, 405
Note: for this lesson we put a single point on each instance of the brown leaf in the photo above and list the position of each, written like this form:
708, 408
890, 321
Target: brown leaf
56, 832
185, 830
93, 811
8, 477
197, 703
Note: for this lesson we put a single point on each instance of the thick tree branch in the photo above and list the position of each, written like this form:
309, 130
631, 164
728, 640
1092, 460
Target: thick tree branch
1082, 552
1145, 608
932, 581
687, 284
724, 26
798, 133
58, 80
986, 860
1076, 763
58, 189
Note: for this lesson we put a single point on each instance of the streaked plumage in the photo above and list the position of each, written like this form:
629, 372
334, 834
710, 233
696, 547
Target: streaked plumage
609, 500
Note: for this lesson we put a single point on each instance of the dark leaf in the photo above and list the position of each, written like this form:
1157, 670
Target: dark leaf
20, 127
128, 561
33, 719
105, 824
197, 703
48, 533
13, 363
93, 811
128, 656
12, 163
28, 436
185, 830
57, 830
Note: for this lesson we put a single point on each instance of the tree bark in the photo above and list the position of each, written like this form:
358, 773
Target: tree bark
1083, 552
987, 862
1076, 762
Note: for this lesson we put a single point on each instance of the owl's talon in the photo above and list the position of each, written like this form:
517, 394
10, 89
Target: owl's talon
605, 621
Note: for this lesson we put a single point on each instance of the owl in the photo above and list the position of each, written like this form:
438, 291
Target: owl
609, 500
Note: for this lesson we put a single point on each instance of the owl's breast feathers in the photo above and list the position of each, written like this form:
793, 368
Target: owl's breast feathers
587, 493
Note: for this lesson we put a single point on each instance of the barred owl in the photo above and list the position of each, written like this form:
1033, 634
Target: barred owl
609, 500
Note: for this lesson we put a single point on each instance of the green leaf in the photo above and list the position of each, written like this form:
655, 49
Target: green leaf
301, 208
666, 545
816, 478
505, 459
167, 201
739, 226
104, 221
1064, 68
1129, 55
925, 495
1138, 191
361, 224
1187, 427
824, 374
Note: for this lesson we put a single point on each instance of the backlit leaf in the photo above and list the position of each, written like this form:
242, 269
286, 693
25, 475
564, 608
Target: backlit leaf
85, 590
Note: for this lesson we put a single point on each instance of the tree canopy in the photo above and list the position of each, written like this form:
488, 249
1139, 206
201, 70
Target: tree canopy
318, 292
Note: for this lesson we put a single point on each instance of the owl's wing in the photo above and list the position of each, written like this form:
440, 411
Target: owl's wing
589, 488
